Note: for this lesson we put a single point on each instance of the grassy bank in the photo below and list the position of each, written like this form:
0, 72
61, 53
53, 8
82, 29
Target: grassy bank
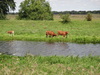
80, 30
50, 65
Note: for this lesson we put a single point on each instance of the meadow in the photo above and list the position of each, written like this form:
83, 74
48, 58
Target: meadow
49, 65
80, 30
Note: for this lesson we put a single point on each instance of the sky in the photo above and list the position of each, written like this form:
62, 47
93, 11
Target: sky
69, 5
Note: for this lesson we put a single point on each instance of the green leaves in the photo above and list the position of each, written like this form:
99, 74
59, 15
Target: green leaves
5, 5
35, 10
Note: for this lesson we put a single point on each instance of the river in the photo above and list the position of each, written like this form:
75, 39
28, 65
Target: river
21, 48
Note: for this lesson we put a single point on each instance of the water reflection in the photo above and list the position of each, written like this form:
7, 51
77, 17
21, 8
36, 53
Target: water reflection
21, 48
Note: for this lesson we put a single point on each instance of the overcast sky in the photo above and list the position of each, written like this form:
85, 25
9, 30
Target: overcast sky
68, 5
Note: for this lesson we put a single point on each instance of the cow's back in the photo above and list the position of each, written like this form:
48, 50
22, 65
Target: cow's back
51, 33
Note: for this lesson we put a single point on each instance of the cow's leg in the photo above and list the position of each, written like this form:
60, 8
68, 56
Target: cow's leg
13, 34
63, 35
46, 35
49, 35
66, 35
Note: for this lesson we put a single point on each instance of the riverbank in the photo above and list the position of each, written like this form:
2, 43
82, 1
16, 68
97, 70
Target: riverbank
80, 31
49, 65
74, 39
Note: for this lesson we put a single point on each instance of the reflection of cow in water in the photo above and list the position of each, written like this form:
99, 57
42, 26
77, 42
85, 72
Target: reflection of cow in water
63, 33
50, 34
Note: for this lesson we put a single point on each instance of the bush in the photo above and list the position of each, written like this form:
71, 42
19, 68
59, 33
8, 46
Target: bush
65, 18
89, 17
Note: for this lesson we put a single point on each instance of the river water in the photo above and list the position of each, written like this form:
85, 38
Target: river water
21, 48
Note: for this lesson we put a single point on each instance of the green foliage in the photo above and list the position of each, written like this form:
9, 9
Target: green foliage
65, 18
35, 10
2, 16
5, 5
89, 17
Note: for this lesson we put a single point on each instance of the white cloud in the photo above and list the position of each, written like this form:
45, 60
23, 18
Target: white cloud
95, 0
63, 5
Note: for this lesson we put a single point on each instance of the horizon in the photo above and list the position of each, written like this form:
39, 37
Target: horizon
64, 11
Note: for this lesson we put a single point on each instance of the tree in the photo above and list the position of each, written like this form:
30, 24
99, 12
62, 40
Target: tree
35, 10
5, 6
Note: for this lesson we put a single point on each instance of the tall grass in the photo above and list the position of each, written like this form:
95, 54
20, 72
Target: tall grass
79, 30
49, 65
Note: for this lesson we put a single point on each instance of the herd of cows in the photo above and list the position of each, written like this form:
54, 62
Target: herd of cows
52, 34
48, 33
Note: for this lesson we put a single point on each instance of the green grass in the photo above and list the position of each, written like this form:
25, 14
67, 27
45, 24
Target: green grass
80, 30
49, 65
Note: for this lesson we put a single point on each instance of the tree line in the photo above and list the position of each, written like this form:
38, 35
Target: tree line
76, 12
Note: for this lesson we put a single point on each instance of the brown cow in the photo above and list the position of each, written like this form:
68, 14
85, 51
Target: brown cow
63, 33
50, 34
10, 32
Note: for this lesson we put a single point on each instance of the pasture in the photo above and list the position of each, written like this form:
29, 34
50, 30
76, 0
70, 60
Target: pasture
79, 29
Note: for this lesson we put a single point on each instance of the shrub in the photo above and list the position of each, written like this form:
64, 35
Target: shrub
65, 18
89, 17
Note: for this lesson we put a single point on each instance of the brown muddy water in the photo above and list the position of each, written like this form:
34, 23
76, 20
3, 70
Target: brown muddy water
21, 48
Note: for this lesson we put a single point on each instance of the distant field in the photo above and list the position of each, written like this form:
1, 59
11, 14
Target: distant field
57, 17
79, 29
11, 17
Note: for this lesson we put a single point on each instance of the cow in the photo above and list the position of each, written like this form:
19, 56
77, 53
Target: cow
10, 32
50, 34
63, 33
